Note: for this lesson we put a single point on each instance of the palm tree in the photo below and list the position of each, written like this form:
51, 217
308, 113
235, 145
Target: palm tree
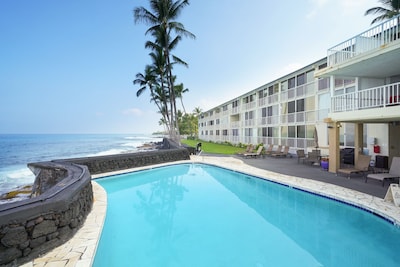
389, 10
161, 20
179, 91
148, 80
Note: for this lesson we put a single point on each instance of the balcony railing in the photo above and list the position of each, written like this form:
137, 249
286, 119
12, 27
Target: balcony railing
376, 97
382, 34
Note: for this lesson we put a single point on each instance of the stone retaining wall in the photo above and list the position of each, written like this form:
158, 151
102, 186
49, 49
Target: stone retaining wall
34, 226
62, 199
112, 163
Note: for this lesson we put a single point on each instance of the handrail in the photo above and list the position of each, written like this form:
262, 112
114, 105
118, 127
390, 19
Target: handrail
382, 34
376, 97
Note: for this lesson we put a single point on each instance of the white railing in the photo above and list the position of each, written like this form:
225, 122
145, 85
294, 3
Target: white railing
272, 99
269, 120
235, 110
373, 38
376, 97
250, 122
235, 124
262, 102
250, 105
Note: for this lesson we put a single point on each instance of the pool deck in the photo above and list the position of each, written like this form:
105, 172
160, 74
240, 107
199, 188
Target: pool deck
80, 250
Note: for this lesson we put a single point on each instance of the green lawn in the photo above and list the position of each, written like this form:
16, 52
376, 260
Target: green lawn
208, 147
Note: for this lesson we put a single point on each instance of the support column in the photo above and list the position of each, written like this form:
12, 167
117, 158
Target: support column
358, 140
334, 144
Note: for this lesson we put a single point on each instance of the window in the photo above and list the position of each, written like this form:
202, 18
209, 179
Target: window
217, 121
300, 105
264, 112
248, 99
270, 111
234, 104
284, 85
291, 83
266, 132
261, 94
248, 115
224, 132
292, 131
323, 84
301, 131
225, 108
270, 90
301, 79
291, 107
235, 132
248, 132
322, 66
217, 132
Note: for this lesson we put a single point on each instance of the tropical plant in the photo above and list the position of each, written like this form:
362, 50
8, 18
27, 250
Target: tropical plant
167, 33
389, 10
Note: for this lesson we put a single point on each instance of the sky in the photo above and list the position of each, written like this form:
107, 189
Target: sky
68, 66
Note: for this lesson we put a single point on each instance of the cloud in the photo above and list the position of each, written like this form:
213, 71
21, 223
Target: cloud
133, 111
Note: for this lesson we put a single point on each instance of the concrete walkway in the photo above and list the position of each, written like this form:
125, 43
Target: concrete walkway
290, 166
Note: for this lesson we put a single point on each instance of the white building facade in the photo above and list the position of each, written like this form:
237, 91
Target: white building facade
351, 98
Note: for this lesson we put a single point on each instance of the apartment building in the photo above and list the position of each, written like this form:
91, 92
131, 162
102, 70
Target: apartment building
351, 98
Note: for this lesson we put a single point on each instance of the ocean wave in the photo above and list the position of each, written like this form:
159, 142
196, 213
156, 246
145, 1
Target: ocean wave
113, 151
11, 179
21, 173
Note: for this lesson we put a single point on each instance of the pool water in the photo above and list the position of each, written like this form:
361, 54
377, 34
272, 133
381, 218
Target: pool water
201, 215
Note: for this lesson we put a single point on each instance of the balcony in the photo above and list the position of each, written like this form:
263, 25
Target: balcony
358, 105
378, 36
373, 53
377, 97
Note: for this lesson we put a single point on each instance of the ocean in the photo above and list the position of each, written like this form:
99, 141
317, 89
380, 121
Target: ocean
17, 150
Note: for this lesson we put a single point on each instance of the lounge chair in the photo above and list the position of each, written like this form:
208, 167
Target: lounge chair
256, 154
361, 166
300, 155
394, 172
249, 149
283, 153
278, 150
269, 151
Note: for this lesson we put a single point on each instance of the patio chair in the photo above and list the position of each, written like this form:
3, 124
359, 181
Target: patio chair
300, 155
394, 172
313, 157
361, 166
283, 153
256, 154
249, 149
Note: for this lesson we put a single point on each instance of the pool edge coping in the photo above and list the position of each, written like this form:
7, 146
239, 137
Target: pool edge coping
85, 241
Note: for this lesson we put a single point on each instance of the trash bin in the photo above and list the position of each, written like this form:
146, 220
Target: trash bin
325, 164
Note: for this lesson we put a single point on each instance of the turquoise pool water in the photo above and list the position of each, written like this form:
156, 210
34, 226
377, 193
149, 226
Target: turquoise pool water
201, 215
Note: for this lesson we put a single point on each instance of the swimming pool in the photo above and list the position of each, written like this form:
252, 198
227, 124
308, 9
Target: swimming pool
201, 215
